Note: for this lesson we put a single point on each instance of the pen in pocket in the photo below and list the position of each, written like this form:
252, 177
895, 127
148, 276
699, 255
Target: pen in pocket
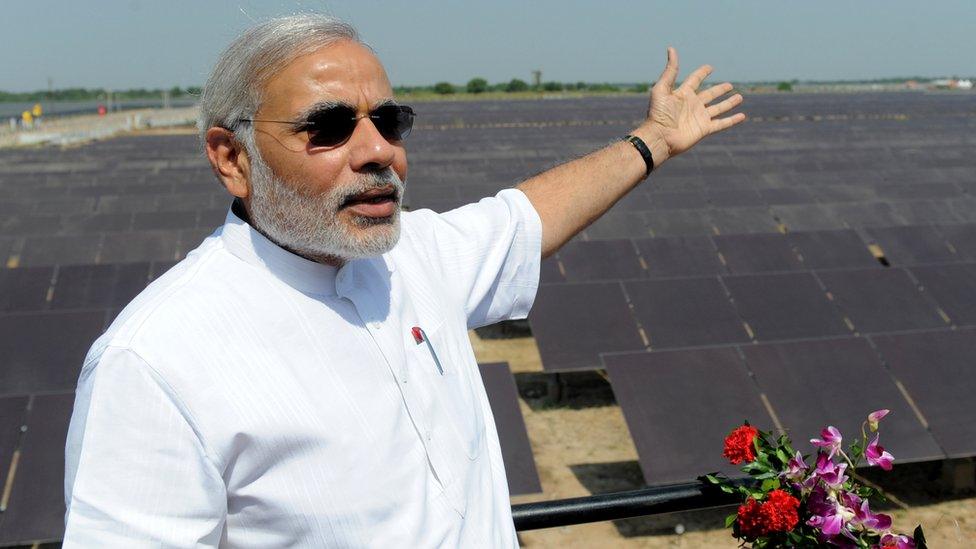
421, 337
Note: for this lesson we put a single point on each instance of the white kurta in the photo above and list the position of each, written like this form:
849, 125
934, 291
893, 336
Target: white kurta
252, 398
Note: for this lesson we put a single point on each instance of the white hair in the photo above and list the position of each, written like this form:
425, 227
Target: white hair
233, 90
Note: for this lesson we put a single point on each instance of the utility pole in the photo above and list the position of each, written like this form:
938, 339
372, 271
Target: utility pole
165, 99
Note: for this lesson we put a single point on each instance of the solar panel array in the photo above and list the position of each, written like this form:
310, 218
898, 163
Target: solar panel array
778, 274
736, 283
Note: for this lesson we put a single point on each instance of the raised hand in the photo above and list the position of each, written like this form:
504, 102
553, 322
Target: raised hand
682, 116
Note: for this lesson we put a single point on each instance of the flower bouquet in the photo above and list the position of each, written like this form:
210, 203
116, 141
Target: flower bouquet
789, 503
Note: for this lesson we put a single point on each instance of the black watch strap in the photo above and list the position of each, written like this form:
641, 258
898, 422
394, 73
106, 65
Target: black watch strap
645, 152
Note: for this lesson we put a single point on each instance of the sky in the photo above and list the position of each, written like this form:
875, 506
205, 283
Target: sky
122, 44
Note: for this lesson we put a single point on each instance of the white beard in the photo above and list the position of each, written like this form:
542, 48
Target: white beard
308, 224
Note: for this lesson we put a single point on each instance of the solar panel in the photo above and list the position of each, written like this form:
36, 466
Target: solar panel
678, 256
786, 195
618, 225
13, 411
800, 381
523, 478
549, 271
879, 300
574, 323
664, 397
743, 220
24, 289
139, 246
954, 288
677, 200
732, 198
806, 217
99, 286
679, 223
63, 250
832, 249
36, 509
784, 306
936, 369
864, 214
165, 220
44, 351
962, 237
912, 245
755, 253
685, 312
600, 260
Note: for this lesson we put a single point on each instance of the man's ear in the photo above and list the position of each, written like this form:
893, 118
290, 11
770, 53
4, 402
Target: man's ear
229, 161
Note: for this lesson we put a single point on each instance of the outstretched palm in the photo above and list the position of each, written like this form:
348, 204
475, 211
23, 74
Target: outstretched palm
682, 115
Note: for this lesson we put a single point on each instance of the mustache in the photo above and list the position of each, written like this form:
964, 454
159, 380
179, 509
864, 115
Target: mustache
386, 179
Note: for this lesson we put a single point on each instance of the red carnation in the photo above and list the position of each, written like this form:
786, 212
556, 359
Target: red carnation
780, 511
751, 522
738, 445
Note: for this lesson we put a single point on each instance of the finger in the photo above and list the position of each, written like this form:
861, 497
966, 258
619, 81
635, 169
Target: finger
670, 74
724, 106
714, 92
726, 123
695, 79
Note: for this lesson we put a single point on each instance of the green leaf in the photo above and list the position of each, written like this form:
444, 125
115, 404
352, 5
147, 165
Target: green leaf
726, 488
730, 520
770, 484
712, 478
782, 456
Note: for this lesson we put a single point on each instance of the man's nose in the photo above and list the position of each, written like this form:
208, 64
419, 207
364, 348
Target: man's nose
368, 148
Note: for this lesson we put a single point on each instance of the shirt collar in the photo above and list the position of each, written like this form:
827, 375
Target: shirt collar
242, 240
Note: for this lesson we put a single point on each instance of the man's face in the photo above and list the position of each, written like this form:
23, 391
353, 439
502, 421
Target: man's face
328, 203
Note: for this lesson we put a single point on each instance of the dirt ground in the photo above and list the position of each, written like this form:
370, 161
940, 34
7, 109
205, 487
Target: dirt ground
582, 446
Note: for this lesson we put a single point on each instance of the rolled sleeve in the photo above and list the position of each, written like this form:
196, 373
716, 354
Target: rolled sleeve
137, 474
490, 253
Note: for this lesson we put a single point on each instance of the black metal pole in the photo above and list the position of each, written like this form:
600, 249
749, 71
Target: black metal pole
619, 505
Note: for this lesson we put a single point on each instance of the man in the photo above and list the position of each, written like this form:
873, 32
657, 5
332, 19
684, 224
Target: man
304, 377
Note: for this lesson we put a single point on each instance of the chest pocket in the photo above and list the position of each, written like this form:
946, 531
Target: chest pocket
452, 398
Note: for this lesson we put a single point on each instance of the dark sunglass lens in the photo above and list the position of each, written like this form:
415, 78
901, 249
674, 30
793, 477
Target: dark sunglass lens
331, 127
394, 122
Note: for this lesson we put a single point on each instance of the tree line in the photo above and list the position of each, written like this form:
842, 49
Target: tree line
97, 94
480, 85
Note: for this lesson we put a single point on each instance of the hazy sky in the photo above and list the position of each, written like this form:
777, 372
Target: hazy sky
142, 43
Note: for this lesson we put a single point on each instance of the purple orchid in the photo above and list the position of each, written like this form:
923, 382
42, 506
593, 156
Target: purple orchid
876, 455
875, 417
832, 474
897, 541
827, 514
830, 438
796, 468
877, 522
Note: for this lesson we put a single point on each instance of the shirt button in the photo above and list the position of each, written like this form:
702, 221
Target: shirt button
376, 325
427, 436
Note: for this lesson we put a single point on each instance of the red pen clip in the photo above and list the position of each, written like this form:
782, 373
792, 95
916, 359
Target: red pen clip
420, 337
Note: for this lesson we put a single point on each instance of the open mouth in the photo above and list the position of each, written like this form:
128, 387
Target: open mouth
373, 203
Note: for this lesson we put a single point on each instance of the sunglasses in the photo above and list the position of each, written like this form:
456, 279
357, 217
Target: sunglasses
332, 126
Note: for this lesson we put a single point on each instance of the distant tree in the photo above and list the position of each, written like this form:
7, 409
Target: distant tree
581, 86
785, 87
443, 88
552, 86
175, 91
194, 90
477, 85
516, 85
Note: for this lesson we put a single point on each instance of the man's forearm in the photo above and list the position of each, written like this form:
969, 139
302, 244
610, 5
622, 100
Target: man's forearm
572, 195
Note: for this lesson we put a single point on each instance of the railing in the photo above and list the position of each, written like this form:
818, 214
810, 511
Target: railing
619, 505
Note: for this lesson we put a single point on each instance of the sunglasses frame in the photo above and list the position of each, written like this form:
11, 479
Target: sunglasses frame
308, 124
